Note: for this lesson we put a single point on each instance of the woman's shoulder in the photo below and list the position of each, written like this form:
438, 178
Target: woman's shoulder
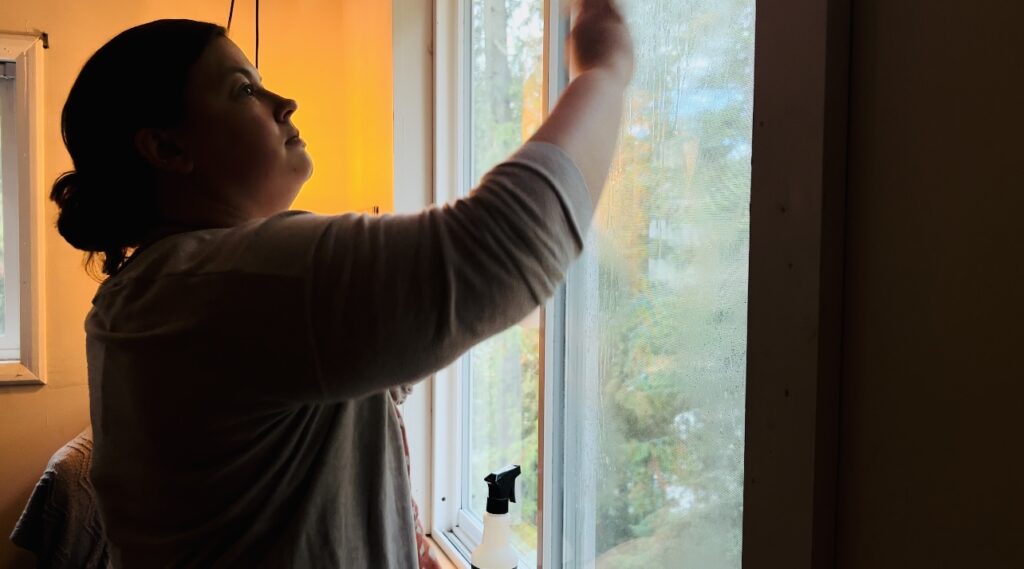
279, 244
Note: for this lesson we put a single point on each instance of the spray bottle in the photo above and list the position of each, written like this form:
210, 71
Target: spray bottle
495, 549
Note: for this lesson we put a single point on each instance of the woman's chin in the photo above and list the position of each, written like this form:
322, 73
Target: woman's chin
303, 167
307, 165
309, 169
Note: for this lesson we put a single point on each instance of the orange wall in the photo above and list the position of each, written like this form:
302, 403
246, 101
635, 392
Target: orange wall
333, 57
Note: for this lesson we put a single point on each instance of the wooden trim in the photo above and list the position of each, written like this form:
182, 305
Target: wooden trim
412, 71
448, 178
33, 215
14, 373
13, 44
796, 268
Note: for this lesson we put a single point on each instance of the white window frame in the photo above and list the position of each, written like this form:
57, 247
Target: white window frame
796, 264
456, 531
413, 166
10, 339
451, 117
29, 197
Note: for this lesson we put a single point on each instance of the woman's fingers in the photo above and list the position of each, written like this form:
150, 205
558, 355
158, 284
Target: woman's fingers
593, 4
600, 39
585, 122
599, 6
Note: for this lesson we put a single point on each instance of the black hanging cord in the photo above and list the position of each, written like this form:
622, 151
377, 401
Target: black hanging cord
231, 15
257, 34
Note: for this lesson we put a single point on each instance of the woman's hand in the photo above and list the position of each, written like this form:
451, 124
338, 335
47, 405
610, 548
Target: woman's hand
585, 122
601, 40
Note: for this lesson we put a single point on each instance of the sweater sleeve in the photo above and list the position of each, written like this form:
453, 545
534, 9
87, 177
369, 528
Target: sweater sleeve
395, 298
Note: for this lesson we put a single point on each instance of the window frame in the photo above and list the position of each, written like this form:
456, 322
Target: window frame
26, 51
798, 185
795, 314
459, 532
451, 117
10, 340
413, 169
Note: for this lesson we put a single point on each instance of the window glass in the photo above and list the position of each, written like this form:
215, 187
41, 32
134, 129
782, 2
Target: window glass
506, 69
6, 158
661, 387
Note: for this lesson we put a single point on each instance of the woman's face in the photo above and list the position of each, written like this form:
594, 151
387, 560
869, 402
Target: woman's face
244, 150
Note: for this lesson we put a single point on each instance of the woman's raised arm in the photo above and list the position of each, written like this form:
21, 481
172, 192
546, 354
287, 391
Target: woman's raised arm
397, 298
585, 122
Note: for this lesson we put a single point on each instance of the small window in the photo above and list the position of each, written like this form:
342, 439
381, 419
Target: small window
10, 335
22, 206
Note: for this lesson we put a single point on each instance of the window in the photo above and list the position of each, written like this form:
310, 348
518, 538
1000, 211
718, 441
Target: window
501, 376
657, 308
656, 322
647, 401
21, 207
10, 337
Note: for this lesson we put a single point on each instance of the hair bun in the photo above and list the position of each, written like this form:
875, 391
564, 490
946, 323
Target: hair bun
136, 80
82, 222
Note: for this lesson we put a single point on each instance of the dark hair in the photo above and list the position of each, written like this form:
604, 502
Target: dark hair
137, 80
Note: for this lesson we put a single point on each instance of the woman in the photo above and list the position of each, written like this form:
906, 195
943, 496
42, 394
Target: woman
240, 359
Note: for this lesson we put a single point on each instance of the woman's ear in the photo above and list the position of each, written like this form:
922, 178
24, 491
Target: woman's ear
158, 148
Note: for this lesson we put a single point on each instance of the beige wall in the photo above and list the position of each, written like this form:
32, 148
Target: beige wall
933, 388
333, 57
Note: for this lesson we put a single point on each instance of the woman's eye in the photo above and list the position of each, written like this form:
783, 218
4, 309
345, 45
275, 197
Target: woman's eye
248, 90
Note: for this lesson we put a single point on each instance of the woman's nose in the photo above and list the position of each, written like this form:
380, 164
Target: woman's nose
285, 108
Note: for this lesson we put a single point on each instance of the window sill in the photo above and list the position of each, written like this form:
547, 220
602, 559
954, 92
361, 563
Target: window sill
443, 560
15, 373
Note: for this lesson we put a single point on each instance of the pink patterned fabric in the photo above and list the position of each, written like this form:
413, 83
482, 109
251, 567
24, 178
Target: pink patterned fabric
428, 559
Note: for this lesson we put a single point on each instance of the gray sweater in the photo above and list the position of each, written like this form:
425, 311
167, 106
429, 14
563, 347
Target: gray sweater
239, 377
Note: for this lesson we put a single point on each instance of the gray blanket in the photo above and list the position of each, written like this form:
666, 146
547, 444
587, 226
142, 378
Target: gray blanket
61, 524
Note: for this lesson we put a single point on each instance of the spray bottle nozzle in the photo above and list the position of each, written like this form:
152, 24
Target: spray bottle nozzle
501, 486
